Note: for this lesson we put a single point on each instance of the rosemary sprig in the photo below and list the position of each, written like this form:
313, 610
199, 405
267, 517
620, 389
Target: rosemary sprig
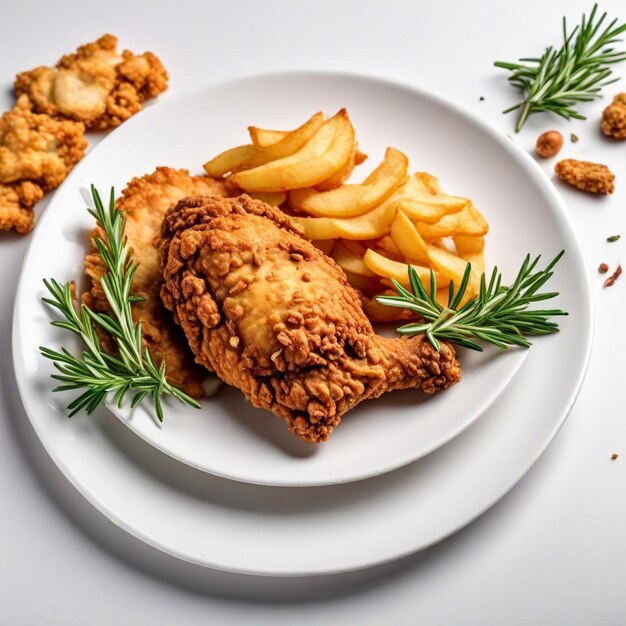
560, 79
98, 373
497, 315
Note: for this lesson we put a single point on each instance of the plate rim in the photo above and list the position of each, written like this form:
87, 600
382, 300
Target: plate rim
495, 133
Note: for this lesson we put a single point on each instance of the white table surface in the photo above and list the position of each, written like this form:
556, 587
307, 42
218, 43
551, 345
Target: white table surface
552, 552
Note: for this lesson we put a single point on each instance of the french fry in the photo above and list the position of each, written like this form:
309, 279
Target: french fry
472, 223
362, 283
386, 282
354, 200
430, 209
420, 211
290, 144
408, 240
350, 262
471, 249
249, 156
357, 248
385, 244
325, 153
229, 160
468, 245
443, 297
450, 267
263, 137
477, 260
429, 183
374, 224
414, 198
380, 313
343, 174
447, 226
339, 176
386, 268
273, 198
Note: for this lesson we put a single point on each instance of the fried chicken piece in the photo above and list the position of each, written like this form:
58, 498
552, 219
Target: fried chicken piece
38, 147
16, 205
96, 85
145, 201
274, 316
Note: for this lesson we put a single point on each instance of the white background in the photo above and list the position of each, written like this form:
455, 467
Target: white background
552, 552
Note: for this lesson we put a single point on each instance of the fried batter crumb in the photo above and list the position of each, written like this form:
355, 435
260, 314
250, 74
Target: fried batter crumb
614, 118
586, 176
16, 205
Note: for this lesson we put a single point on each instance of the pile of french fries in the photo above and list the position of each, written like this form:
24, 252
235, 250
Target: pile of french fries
372, 229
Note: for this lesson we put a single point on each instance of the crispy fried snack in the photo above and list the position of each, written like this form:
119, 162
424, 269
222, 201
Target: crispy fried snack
145, 201
37, 147
614, 118
586, 176
96, 85
274, 316
16, 205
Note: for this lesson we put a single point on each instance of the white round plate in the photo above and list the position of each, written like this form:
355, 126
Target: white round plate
229, 437
281, 531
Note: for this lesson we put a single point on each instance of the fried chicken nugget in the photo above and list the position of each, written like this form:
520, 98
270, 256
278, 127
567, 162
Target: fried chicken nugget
37, 147
96, 85
16, 205
145, 201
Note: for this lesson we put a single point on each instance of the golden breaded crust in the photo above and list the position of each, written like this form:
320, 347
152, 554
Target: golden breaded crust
145, 201
586, 176
37, 147
96, 85
614, 118
275, 317
16, 205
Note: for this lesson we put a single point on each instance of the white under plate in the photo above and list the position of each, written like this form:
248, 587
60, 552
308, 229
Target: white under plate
218, 523
229, 437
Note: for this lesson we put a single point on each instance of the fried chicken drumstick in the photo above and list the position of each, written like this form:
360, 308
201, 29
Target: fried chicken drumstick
274, 316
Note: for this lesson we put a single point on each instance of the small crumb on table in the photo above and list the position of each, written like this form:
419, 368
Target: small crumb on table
610, 281
549, 144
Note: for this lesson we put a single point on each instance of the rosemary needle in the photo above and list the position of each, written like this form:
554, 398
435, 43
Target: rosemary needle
497, 315
94, 370
559, 80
